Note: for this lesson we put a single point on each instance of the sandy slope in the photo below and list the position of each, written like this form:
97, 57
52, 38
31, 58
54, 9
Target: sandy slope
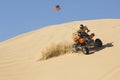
19, 55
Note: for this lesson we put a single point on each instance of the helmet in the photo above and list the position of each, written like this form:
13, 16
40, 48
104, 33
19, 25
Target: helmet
81, 26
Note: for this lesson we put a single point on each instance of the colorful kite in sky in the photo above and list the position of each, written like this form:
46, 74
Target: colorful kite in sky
57, 8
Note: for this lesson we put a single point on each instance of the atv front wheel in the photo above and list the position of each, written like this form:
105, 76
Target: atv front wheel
85, 50
75, 49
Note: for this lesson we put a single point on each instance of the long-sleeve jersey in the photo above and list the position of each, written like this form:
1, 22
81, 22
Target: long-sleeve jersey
82, 30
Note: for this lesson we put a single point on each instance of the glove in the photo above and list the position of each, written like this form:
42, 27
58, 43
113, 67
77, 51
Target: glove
88, 30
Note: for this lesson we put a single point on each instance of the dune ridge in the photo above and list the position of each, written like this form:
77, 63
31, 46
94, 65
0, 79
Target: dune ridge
19, 55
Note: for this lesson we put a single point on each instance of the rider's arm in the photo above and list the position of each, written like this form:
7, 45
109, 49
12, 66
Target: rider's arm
78, 31
87, 29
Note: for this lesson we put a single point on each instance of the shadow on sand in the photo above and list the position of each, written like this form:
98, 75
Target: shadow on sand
107, 45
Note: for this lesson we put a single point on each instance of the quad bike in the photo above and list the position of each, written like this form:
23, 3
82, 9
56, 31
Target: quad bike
84, 44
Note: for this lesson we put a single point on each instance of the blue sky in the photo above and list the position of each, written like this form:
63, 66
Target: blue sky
21, 16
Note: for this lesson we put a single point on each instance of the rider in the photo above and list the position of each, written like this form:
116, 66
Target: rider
82, 31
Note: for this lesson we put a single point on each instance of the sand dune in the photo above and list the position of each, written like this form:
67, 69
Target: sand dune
19, 55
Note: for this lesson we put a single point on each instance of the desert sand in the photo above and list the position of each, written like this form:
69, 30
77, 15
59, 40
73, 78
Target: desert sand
19, 55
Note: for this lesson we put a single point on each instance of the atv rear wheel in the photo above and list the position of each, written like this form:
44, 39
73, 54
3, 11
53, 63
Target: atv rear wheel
98, 43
